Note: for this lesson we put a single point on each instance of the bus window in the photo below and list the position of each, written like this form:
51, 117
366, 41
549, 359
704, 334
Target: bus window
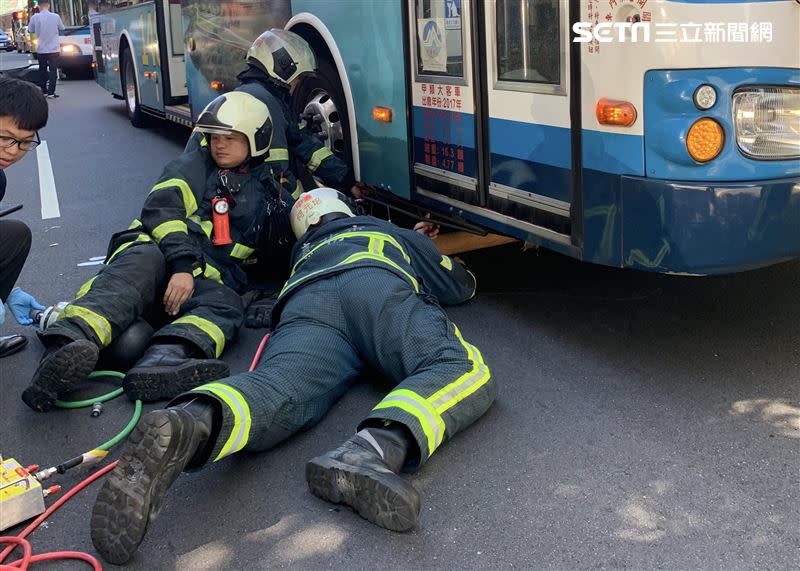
105, 5
176, 27
529, 42
439, 38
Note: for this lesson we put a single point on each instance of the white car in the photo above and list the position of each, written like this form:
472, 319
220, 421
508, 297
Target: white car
76, 51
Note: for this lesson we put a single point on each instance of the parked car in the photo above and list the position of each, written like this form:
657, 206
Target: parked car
5, 42
23, 40
76, 51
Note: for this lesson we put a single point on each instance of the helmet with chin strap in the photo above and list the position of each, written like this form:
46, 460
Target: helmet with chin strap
238, 112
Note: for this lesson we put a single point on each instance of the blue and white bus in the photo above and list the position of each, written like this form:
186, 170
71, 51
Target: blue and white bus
661, 135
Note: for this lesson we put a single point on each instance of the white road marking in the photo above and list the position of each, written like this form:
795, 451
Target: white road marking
93, 261
47, 183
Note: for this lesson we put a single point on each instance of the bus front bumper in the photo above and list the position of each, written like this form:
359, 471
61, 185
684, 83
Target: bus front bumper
708, 228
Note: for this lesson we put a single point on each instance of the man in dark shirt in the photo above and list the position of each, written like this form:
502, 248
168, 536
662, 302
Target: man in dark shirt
23, 111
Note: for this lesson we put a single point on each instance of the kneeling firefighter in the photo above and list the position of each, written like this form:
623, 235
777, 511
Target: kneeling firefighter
276, 63
363, 292
179, 264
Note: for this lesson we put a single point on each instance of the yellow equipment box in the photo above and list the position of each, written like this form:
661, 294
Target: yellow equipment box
21, 495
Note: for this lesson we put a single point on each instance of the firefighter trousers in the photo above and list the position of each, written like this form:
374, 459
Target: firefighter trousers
329, 333
131, 285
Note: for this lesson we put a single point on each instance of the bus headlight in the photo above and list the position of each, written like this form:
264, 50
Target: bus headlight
767, 122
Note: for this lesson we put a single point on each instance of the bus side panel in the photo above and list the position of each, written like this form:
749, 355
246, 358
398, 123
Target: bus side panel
218, 35
134, 27
369, 36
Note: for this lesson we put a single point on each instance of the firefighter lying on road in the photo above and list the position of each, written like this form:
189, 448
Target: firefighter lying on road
362, 293
198, 225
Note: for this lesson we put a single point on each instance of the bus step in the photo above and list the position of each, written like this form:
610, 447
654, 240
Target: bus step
179, 114
390, 201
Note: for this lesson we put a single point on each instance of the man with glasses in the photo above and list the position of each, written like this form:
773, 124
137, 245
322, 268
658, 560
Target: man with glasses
23, 111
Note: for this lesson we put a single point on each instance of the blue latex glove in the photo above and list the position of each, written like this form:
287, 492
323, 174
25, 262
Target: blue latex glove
21, 304
2, 312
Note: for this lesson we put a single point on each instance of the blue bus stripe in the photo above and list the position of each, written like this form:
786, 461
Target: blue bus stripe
531, 142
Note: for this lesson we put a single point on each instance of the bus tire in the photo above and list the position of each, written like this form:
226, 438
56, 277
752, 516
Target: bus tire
326, 81
132, 101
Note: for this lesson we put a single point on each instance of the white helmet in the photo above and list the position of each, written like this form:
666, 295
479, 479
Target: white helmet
311, 206
238, 112
282, 55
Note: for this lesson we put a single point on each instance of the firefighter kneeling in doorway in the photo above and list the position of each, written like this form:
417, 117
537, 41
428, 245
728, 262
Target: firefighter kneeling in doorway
362, 293
180, 261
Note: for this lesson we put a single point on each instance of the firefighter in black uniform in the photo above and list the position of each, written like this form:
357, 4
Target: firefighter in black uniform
276, 63
180, 260
362, 293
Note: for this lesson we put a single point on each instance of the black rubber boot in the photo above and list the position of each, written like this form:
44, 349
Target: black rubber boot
161, 446
168, 370
65, 363
362, 473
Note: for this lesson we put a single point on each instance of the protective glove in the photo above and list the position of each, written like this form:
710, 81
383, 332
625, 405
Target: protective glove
2, 312
21, 304
258, 312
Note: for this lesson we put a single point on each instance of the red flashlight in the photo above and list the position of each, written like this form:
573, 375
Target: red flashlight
222, 228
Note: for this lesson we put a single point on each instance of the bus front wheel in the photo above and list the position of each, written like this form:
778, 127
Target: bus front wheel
130, 90
321, 96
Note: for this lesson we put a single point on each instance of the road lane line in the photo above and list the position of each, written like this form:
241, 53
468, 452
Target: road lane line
47, 183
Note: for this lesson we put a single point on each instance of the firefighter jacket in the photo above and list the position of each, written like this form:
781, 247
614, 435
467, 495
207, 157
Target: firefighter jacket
177, 215
364, 241
292, 141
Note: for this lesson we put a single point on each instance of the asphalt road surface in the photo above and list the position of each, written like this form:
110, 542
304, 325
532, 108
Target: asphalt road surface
642, 421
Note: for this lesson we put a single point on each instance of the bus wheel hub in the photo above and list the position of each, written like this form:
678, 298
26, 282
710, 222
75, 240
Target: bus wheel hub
322, 117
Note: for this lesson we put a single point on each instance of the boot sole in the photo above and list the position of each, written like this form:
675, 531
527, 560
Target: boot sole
160, 383
134, 492
59, 373
384, 499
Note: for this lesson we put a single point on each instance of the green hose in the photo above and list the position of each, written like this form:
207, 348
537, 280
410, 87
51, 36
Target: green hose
89, 402
102, 398
137, 412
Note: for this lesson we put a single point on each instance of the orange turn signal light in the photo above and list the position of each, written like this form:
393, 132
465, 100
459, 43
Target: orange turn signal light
382, 114
704, 140
217, 85
116, 68
615, 112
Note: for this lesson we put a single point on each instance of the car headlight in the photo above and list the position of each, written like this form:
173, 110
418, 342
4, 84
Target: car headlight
69, 49
767, 122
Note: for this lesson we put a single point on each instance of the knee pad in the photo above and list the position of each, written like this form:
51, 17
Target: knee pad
125, 350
